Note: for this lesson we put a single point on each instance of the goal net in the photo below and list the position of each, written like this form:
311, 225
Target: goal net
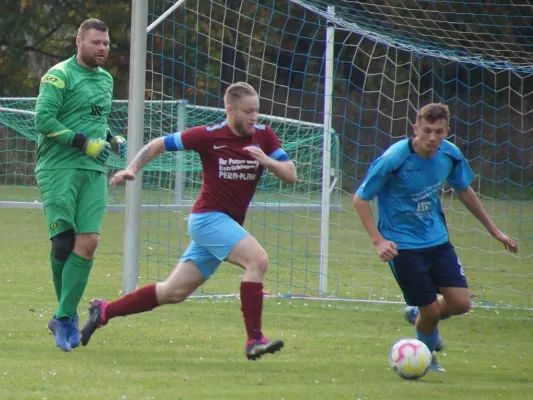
386, 60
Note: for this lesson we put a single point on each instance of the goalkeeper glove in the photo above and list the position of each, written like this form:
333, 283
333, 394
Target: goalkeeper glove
119, 146
96, 148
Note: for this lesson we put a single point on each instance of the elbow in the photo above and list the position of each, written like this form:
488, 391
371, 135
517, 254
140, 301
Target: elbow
285, 171
44, 122
40, 121
157, 146
292, 179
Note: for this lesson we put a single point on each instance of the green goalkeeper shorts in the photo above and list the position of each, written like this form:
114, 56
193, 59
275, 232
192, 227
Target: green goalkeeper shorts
73, 199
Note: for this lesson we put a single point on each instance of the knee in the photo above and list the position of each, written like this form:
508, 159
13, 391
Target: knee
62, 245
430, 314
168, 294
259, 262
459, 307
86, 244
431, 318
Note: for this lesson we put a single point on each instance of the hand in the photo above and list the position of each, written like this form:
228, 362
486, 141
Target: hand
509, 245
258, 155
119, 146
387, 250
121, 176
97, 148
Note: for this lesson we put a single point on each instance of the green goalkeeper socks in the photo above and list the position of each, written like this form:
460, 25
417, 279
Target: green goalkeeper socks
57, 272
75, 277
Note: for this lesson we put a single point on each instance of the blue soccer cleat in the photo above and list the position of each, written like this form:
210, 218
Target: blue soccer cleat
256, 348
60, 331
410, 313
435, 366
74, 335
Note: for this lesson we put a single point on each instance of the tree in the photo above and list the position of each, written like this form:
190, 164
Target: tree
35, 35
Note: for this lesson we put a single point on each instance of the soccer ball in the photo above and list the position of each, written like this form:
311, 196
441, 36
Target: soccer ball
409, 358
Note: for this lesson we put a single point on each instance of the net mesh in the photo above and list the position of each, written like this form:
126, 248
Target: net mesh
389, 60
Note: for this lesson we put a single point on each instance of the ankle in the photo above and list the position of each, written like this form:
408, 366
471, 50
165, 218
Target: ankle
256, 334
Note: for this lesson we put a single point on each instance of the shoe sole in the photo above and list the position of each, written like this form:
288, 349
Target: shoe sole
270, 348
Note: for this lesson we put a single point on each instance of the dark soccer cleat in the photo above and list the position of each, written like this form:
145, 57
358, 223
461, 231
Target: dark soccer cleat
95, 320
439, 346
73, 335
60, 331
256, 348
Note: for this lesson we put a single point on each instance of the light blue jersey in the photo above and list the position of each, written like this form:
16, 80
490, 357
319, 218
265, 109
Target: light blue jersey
408, 188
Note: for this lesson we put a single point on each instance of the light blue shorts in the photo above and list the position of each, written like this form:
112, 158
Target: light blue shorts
213, 236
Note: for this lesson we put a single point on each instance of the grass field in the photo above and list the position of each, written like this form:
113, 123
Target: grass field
334, 350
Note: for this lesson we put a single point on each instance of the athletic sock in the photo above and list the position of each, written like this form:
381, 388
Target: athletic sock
141, 300
74, 281
252, 308
429, 340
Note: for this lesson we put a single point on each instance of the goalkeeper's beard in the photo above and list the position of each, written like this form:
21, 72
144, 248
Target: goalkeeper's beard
93, 60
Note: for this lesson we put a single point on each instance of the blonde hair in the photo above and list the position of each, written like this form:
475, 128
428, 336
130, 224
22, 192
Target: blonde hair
237, 91
91, 23
433, 112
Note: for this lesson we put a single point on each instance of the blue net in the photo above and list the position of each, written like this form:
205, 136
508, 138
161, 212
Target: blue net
491, 33
389, 60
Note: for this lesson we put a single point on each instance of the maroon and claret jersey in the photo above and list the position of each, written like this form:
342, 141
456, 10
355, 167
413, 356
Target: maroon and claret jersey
230, 174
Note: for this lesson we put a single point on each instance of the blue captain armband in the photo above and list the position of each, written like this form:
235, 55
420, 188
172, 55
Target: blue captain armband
280, 155
173, 142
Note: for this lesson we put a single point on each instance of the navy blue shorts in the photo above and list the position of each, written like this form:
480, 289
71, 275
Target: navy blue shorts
421, 272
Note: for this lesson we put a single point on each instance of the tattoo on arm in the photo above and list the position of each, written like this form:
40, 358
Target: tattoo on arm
142, 158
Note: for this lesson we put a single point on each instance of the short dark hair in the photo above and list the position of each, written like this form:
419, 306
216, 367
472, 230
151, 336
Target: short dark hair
92, 23
434, 112
238, 90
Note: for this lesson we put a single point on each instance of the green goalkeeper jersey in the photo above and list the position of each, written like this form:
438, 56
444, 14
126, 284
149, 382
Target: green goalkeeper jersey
72, 99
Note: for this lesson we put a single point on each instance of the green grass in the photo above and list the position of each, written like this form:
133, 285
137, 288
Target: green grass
335, 350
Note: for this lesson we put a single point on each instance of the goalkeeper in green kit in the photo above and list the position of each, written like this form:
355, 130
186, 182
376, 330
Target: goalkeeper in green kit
74, 143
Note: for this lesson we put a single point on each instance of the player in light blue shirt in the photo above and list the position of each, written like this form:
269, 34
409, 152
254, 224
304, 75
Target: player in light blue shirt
411, 233
410, 212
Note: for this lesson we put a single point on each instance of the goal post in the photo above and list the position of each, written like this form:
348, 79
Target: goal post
135, 137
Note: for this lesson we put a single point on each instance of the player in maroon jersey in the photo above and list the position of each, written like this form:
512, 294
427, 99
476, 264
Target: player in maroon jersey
234, 154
